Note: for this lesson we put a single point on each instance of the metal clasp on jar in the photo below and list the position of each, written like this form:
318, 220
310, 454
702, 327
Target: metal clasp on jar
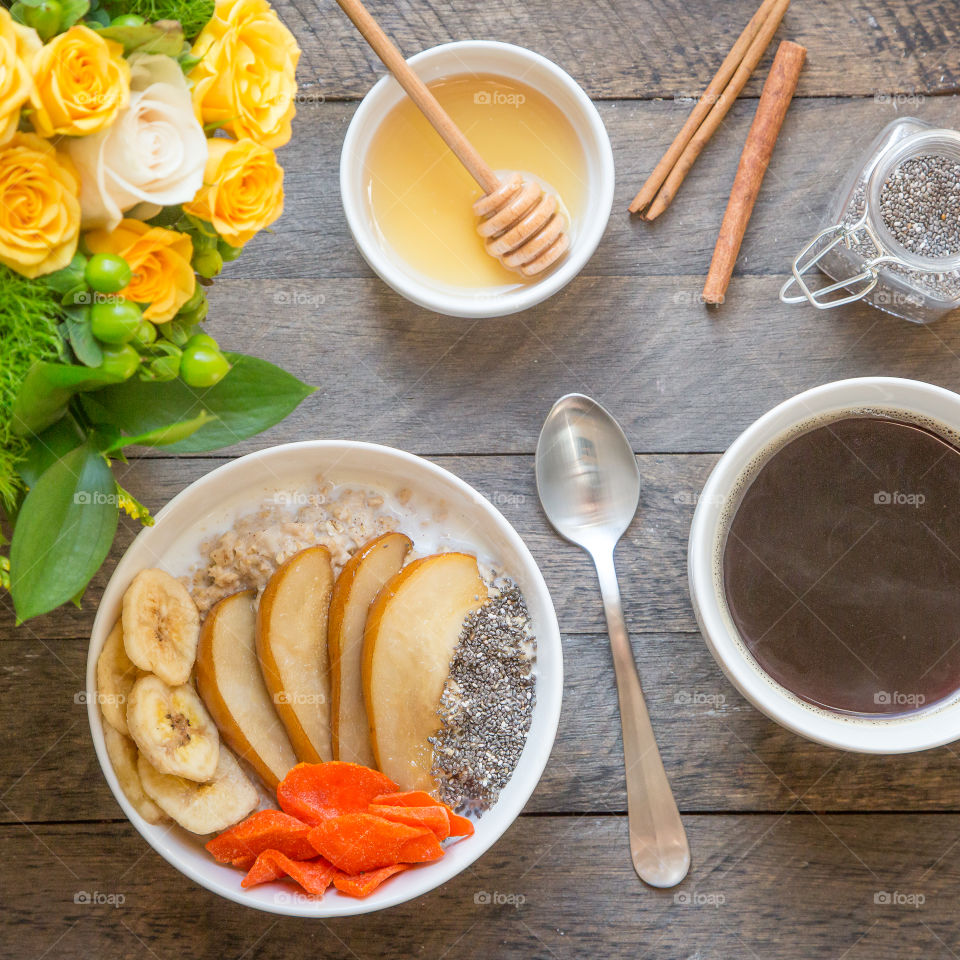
818, 248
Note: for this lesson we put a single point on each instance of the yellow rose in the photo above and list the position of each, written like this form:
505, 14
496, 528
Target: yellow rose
160, 261
80, 82
39, 206
242, 189
18, 45
246, 78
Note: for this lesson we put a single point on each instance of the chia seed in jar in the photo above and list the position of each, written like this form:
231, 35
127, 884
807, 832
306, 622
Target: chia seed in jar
892, 231
487, 702
920, 206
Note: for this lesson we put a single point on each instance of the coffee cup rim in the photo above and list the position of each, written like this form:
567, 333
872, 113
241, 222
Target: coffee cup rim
920, 730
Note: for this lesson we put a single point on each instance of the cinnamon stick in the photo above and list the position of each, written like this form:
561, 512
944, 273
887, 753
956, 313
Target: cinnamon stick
719, 110
716, 86
777, 93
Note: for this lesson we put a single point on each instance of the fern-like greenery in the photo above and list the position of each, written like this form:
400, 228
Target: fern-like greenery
192, 14
28, 332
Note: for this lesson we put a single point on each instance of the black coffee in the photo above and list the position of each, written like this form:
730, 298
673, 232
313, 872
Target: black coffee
841, 568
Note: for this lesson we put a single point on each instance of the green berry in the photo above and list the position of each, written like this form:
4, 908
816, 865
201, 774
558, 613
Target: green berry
208, 263
201, 340
120, 359
44, 18
146, 334
115, 321
198, 297
127, 20
107, 273
201, 366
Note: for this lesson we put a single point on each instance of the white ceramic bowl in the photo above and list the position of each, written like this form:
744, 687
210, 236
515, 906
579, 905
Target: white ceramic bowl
902, 734
479, 56
209, 506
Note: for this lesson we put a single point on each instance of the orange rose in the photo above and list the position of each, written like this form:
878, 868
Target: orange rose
160, 261
242, 189
39, 206
80, 82
246, 77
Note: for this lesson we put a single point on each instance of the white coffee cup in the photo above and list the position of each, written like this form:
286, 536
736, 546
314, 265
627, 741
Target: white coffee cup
919, 730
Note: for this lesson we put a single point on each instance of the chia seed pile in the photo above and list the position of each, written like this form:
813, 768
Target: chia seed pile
487, 703
920, 205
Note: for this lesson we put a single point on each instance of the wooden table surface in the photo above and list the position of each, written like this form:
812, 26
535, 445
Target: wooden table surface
793, 844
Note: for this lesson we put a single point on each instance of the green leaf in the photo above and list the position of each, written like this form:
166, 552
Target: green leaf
206, 238
214, 125
73, 10
48, 447
106, 436
84, 343
149, 38
167, 216
163, 436
63, 532
70, 277
254, 395
47, 388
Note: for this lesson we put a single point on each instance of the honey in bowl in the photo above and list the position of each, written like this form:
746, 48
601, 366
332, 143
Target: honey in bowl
420, 196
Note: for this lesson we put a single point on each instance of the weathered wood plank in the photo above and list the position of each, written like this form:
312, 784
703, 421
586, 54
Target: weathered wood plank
720, 752
799, 887
648, 48
821, 139
681, 377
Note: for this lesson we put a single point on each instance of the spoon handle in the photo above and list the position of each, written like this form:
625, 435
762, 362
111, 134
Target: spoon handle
658, 842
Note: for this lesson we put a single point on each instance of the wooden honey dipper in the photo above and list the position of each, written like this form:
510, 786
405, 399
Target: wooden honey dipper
523, 225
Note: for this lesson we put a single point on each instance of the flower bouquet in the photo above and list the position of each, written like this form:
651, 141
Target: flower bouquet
137, 144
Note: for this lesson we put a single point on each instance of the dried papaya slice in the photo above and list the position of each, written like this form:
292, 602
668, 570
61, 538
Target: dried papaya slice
408, 798
459, 826
433, 818
314, 792
314, 876
360, 842
263, 830
363, 884
421, 849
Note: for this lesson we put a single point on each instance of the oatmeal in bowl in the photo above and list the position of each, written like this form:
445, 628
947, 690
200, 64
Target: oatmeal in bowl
249, 552
357, 665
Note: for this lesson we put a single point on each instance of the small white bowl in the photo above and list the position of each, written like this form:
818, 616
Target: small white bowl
507, 60
209, 506
900, 734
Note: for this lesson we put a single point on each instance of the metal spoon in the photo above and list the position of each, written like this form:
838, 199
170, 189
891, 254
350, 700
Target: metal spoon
589, 485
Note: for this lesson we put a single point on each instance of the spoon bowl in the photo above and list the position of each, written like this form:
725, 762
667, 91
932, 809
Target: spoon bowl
587, 475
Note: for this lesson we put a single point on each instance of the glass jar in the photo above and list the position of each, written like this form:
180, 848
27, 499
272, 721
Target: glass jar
859, 250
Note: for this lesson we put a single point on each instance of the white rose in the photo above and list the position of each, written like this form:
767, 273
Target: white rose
154, 153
